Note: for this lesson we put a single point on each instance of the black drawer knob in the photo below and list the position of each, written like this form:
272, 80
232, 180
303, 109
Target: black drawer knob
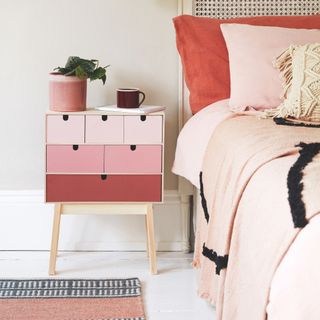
133, 147
104, 117
75, 147
143, 118
65, 117
103, 177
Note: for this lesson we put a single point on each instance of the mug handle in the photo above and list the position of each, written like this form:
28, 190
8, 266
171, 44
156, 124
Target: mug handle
143, 97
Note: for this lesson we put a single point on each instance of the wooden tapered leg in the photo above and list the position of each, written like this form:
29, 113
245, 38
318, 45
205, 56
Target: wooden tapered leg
151, 242
55, 238
147, 237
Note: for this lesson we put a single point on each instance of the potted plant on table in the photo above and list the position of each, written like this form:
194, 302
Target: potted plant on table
68, 85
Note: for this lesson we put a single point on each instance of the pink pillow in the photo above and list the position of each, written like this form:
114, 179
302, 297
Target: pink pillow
204, 53
255, 82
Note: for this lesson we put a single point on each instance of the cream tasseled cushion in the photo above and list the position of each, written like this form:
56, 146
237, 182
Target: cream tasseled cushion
300, 68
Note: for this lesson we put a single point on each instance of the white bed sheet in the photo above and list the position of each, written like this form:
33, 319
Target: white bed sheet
194, 137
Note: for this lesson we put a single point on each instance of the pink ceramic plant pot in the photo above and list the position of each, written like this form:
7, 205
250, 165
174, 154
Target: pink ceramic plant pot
67, 93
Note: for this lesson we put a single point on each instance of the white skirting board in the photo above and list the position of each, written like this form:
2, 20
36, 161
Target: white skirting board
26, 221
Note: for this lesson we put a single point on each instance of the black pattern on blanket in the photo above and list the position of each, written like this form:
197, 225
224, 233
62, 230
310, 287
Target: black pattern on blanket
203, 199
295, 188
221, 262
246, 145
295, 183
285, 122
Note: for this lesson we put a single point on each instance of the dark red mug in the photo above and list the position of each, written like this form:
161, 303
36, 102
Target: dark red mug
129, 98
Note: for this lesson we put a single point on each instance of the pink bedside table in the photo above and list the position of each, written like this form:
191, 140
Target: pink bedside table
104, 164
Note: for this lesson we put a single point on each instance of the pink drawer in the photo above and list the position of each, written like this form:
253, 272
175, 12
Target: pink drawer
65, 129
75, 158
91, 188
133, 159
142, 129
104, 129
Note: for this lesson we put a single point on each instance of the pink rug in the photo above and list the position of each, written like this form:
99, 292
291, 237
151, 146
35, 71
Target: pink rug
71, 299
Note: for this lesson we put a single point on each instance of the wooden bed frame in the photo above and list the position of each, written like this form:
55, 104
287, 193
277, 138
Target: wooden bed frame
224, 9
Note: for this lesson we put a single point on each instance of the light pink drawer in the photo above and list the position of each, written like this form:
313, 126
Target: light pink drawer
142, 129
65, 129
75, 158
104, 129
133, 159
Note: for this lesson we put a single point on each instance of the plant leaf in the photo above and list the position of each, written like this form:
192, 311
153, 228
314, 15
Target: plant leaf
84, 68
72, 62
104, 78
99, 73
87, 66
60, 69
80, 73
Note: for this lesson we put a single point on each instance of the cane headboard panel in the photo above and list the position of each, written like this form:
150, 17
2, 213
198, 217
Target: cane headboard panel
244, 8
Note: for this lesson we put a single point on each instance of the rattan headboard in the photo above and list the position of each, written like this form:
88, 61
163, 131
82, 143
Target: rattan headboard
241, 8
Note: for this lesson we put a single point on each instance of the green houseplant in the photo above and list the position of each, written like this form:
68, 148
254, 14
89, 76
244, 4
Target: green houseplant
68, 84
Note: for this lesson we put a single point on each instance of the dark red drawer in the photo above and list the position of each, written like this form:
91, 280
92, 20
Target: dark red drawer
87, 188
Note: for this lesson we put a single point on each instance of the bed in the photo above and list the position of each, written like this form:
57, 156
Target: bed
256, 188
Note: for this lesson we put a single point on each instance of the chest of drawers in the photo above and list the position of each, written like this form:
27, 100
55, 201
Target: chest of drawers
100, 163
93, 156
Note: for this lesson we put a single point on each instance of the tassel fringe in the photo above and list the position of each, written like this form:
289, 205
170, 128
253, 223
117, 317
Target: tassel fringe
302, 95
284, 64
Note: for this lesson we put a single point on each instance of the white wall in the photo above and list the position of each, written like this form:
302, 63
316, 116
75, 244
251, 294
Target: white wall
137, 38
25, 223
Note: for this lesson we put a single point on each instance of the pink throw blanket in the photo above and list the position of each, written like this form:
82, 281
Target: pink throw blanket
241, 245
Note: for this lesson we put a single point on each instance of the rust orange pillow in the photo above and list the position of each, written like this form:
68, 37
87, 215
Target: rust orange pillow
204, 53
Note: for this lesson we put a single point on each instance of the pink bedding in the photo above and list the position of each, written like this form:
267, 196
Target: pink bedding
247, 243
194, 137
294, 292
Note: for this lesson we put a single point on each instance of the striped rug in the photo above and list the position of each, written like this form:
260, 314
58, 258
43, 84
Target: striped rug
71, 299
